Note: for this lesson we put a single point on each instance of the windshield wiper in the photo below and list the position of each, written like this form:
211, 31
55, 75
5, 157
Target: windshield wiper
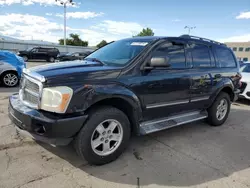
95, 60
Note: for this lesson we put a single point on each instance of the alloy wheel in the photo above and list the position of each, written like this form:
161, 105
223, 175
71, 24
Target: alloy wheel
107, 137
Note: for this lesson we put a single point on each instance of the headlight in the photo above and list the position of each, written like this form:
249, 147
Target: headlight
56, 99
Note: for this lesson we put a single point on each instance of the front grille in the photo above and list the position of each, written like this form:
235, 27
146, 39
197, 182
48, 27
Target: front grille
29, 92
243, 87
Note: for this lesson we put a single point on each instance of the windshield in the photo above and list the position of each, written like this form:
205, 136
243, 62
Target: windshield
245, 68
119, 53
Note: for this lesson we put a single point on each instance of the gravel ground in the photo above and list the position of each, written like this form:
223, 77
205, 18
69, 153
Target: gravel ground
193, 155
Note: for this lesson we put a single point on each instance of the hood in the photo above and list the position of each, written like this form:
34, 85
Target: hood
76, 71
245, 77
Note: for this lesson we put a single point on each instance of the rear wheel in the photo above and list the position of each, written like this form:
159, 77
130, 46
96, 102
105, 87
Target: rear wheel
9, 79
52, 59
218, 112
104, 137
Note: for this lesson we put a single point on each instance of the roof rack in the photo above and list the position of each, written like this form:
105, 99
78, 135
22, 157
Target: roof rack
200, 38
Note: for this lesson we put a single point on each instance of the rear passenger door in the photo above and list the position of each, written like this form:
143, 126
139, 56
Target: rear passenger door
203, 72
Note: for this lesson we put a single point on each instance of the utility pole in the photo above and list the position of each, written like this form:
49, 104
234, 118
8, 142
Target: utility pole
189, 28
64, 3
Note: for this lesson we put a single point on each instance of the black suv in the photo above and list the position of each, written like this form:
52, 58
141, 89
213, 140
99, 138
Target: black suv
73, 56
131, 86
39, 53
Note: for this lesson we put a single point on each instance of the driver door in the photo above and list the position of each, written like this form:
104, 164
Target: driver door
166, 89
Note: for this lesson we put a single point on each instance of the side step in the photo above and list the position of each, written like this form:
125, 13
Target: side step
171, 121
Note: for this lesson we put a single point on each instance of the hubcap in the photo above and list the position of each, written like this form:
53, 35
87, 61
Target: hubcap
10, 79
222, 109
107, 137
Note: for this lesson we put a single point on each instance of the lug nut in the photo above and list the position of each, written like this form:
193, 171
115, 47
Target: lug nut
104, 133
102, 139
106, 141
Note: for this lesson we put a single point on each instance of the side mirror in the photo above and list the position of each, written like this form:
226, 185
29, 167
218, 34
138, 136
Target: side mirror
159, 62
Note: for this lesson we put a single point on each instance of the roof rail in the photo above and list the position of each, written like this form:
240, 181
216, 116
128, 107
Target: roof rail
200, 38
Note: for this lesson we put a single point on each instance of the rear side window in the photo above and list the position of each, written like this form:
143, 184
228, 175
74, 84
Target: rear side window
201, 55
43, 50
175, 54
225, 57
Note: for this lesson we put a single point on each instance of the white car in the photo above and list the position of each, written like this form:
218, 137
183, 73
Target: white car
245, 87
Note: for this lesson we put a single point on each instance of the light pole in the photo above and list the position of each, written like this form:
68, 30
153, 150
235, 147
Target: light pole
64, 3
189, 28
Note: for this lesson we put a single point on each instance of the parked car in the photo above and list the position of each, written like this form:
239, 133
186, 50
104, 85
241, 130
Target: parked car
245, 87
39, 53
11, 67
135, 86
73, 56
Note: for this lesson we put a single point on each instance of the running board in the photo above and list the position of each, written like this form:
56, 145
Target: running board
172, 121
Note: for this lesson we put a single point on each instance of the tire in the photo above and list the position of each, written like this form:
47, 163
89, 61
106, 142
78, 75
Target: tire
52, 59
215, 119
25, 58
9, 79
86, 138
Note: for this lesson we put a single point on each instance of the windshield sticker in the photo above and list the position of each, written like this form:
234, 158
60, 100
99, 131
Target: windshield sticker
139, 43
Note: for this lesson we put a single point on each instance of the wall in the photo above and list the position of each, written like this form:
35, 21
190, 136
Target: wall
240, 54
18, 46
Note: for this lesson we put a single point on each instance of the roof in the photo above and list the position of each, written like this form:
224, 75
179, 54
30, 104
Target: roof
185, 37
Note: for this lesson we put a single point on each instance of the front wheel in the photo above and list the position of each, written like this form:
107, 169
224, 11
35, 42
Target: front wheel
218, 112
10, 79
104, 137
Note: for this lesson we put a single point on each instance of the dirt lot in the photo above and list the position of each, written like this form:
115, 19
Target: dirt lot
193, 155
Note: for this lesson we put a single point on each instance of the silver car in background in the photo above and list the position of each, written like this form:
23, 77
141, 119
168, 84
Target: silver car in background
11, 67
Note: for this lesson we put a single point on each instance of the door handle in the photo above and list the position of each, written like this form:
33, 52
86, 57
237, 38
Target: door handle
154, 84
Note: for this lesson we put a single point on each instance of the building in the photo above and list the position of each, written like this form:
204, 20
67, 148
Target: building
241, 50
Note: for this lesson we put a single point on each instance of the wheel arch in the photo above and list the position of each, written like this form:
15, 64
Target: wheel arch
125, 105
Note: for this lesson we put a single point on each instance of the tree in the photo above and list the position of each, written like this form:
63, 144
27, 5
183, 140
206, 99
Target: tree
74, 40
146, 32
101, 44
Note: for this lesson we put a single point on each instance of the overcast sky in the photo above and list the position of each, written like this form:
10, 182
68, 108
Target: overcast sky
96, 20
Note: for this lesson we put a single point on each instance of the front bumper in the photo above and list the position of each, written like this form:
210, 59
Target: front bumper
47, 127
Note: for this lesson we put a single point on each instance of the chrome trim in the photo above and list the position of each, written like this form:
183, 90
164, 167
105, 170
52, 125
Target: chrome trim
171, 118
200, 99
34, 75
38, 106
32, 92
157, 105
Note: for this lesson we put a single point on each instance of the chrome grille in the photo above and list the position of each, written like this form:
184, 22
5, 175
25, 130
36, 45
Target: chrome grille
30, 91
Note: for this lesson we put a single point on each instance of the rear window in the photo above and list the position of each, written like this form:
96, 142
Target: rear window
201, 55
225, 57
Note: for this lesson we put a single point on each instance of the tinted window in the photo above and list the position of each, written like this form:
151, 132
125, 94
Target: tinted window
175, 54
240, 49
234, 49
245, 59
247, 49
225, 57
201, 55
43, 50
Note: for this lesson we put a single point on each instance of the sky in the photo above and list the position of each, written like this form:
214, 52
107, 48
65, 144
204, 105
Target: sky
96, 20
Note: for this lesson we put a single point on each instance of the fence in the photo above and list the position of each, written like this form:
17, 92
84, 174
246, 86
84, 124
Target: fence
18, 46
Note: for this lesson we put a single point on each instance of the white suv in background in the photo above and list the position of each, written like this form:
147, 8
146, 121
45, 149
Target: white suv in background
245, 88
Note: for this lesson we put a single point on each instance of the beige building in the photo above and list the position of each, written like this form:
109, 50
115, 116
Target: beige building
241, 50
